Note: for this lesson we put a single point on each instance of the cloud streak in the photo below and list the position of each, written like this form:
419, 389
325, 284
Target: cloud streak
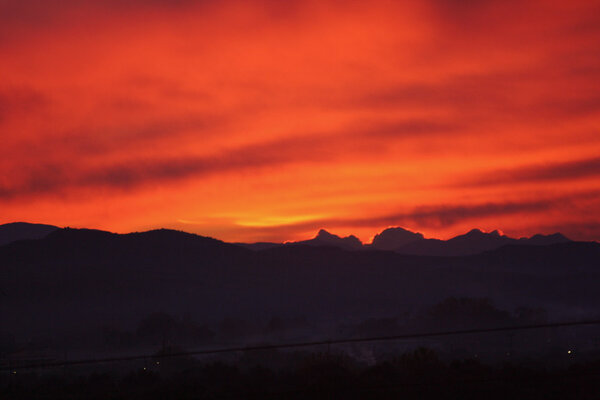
448, 216
550, 172
325, 148
432, 216
123, 115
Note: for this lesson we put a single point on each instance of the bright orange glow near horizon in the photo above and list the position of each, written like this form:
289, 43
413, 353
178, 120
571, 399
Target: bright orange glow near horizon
267, 120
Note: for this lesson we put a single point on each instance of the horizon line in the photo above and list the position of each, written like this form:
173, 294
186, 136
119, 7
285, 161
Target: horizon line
498, 232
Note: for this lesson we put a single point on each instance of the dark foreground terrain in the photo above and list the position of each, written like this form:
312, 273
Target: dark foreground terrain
420, 374
77, 294
73, 281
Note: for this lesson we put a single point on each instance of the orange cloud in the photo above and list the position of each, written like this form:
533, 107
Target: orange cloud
266, 119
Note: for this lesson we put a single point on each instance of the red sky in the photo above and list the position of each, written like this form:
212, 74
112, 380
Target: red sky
267, 120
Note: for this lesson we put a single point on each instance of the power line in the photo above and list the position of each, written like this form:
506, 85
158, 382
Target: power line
304, 344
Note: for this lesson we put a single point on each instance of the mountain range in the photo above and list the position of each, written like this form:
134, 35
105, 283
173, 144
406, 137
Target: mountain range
403, 241
76, 279
395, 239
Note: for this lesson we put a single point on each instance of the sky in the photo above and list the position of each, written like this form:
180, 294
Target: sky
268, 120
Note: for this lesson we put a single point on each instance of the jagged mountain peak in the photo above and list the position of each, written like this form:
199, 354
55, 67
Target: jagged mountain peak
323, 234
325, 238
393, 237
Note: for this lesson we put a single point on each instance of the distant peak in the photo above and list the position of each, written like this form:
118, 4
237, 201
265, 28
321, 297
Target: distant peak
324, 237
541, 239
558, 235
475, 231
481, 232
324, 234
400, 229
394, 237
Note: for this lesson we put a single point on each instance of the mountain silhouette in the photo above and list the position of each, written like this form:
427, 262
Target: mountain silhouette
396, 239
393, 238
22, 230
404, 241
151, 242
325, 238
473, 242
79, 279
542, 240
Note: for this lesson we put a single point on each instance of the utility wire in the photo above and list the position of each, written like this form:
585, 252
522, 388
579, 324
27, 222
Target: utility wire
303, 344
